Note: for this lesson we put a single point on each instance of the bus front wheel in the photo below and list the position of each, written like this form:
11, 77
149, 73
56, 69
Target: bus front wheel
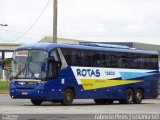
129, 97
68, 97
138, 96
36, 102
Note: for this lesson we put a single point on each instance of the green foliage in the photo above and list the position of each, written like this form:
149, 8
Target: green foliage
8, 61
4, 85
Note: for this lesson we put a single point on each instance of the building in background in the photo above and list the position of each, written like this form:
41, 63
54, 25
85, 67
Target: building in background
60, 40
136, 45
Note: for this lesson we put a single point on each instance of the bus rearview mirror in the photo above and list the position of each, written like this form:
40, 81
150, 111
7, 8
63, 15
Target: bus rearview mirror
43, 66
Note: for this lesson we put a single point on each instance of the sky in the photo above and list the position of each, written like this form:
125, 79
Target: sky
94, 20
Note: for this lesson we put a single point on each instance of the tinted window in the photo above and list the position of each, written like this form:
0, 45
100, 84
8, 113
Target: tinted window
91, 58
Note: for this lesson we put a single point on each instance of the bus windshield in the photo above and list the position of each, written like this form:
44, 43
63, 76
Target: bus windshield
29, 64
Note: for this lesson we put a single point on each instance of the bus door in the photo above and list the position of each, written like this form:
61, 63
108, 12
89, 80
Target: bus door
54, 65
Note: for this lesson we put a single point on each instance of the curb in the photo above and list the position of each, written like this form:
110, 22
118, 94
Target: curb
4, 91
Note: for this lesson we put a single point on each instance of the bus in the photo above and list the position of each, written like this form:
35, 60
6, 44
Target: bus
64, 72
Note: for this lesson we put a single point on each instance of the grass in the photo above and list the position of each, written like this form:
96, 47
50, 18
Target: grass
4, 85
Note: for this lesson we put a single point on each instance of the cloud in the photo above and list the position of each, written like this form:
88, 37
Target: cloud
81, 19
110, 18
20, 14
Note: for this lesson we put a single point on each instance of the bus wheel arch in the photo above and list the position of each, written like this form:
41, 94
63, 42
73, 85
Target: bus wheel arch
73, 90
138, 96
68, 97
129, 97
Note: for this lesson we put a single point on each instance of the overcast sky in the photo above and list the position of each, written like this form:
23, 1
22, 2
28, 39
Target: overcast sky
97, 20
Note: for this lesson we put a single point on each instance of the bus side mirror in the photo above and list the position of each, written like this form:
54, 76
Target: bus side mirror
43, 66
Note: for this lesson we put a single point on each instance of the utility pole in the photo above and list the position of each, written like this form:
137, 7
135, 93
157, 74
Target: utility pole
55, 4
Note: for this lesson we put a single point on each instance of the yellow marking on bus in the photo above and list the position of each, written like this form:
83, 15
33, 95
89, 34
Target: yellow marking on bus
89, 84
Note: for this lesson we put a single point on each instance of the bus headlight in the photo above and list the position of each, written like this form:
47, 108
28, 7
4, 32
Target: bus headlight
12, 91
40, 91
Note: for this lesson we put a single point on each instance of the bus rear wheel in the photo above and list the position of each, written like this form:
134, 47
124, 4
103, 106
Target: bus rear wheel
129, 97
68, 97
138, 96
100, 101
36, 102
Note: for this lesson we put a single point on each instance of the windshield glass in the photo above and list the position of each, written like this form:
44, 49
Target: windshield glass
29, 64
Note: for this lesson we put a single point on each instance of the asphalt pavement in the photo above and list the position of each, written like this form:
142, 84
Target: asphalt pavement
80, 110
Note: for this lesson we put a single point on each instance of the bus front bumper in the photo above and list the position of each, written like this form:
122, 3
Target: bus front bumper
40, 91
27, 94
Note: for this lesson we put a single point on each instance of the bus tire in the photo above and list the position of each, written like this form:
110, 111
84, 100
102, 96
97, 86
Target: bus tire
36, 102
100, 101
68, 97
129, 97
109, 101
138, 96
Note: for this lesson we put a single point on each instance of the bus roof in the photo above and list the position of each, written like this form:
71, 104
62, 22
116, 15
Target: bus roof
50, 46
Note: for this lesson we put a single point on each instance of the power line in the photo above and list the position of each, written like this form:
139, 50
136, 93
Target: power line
8, 30
33, 22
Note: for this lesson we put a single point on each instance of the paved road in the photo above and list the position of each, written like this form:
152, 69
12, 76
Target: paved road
20, 106
9, 105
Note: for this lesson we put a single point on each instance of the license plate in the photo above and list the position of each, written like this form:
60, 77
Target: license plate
24, 93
